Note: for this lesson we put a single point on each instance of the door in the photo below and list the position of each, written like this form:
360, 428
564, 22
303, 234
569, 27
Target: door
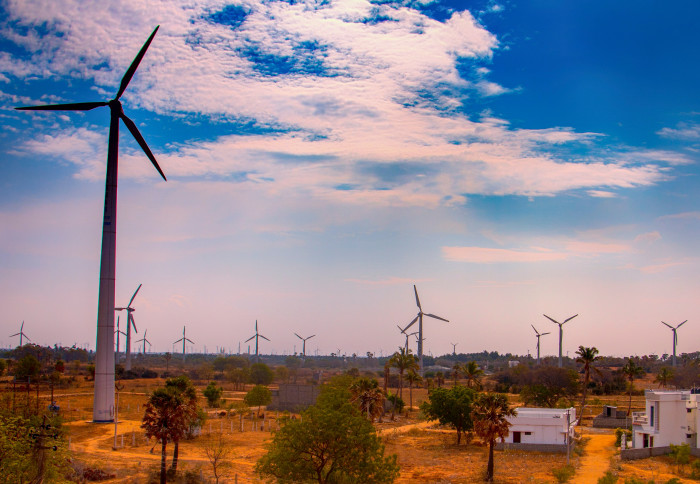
516, 437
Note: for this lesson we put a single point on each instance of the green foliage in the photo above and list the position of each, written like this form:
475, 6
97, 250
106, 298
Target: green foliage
680, 454
695, 469
634, 480
213, 394
27, 367
396, 401
563, 474
451, 406
618, 436
331, 443
258, 396
546, 386
490, 416
608, 478
260, 374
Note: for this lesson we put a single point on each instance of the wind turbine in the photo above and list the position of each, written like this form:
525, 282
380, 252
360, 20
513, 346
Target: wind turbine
419, 318
407, 335
256, 336
144, 340
561, 331
539, 335
129, 323
675, 338
184, 339
103, 407
303, 351
454, 349
118, 332
21, 333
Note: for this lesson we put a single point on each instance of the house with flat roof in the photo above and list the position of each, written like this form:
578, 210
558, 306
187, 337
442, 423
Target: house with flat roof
541, 429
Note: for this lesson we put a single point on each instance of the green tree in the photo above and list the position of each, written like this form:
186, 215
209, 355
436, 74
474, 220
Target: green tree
282, 374
165, 419
403, 360
473, 374
586, 356
632, 371
213, 394
258, 396
369, 398
412, 378
331, 443
27, 367
546, 386
183, 388
490, 422
451, 406
238, 376
663, 377
261, 374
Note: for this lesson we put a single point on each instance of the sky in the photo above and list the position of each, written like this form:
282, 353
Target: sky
509, 158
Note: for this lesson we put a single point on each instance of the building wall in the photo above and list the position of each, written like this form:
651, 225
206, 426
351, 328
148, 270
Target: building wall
672, 423
546, 426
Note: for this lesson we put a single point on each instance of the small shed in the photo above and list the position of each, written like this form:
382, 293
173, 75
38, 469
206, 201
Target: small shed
541, 429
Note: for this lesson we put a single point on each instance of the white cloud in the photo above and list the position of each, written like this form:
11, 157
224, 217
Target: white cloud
682, 131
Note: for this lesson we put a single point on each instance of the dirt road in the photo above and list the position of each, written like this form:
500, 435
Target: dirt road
596, 460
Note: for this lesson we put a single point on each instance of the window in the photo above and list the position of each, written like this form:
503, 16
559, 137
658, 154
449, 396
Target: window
528, 433
651, 415
688, 410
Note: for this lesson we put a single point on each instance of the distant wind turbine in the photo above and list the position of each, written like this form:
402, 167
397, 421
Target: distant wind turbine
675, 338
303, 351
103, 405
419, 318
118, 332
539, 335
144, 341
184, 340
561, 332
407, 336
129, 323
454, 349
20, 334
256, 336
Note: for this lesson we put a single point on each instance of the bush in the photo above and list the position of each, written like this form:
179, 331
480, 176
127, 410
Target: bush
618, 436
563, 474
396, 401
695, 470
608, 478
213, 394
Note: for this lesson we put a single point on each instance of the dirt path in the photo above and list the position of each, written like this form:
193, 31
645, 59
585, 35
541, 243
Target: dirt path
596, 459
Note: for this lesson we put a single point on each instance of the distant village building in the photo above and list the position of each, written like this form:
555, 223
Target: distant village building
670, 417
541, 429
293, 397
513, 363
611, 418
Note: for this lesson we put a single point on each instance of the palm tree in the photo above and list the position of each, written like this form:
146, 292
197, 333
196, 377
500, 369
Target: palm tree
184, 389
490, 422
439, 379
412, 378
586, 356
664, 377
403, 360
368, 396
456, 370
473, 374
165, 418
631, 370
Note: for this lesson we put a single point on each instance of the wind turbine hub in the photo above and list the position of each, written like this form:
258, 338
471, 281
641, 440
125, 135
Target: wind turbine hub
116, 104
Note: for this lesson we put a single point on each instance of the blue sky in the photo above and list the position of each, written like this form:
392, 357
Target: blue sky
509, 158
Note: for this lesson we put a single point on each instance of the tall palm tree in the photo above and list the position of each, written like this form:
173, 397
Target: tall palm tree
412, 377
165, 418
586, 356
472, 373
490, 422
368, 396
631, 370
404, 360
664, 376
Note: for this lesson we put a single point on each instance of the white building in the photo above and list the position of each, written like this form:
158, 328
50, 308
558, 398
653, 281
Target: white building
541, 428
671, 417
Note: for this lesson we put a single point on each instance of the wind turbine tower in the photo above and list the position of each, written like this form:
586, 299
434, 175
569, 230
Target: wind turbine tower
561, 332
118, 332
184, 340
21, 334
675, 338
454, 349
144, 341
407, 336
303, 351
256, 336
129, 323
103, 407
419, 318
539, 335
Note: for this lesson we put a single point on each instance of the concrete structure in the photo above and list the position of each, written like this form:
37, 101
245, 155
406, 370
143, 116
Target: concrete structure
541, 429
612, 418
671, 417
293, 397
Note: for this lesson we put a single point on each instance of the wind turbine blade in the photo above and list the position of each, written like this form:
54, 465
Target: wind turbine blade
536, 332
681, 324
552, 320
667, 325
263, 337
545, 333
135, 293
142, 143
21, 328
64, 107
417, 300
298, 336
437, 317
13, 335
178, 340
134, 65
569, 319
410, 324
310, 336
399, 328
250, 338
187, 339
133, 323
27, 337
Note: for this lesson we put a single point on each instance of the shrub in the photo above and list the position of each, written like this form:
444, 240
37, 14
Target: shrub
563, 474
608, 478
618, 436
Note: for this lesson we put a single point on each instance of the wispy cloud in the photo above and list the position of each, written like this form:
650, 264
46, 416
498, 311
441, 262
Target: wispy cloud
682, 131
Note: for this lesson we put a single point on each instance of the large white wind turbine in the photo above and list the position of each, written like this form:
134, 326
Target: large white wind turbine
184, 339
21, 334
419, 318
303, 351
675, 338
256, 336
561, 332
539, 335
103, 406
144, 341
129, 323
